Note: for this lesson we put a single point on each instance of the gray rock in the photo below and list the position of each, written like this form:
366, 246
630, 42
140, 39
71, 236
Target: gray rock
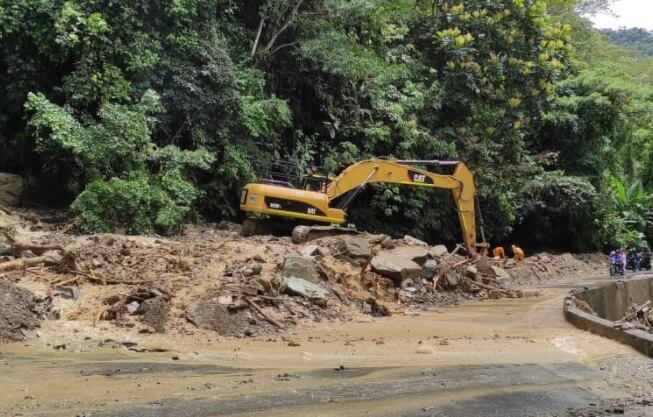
224, 299
429, 269
310, 250
304, 288
484, 267
298, 267
11, 188
438, 251
500, 273
69, 292
413, 241
388, 243
354, 248
407, 283
494, 295
471, 271
394, 267
417, 254
133, 307
252, 269
452, 280
366, 308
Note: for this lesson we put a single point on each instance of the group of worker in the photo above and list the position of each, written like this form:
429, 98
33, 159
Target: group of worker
500, 253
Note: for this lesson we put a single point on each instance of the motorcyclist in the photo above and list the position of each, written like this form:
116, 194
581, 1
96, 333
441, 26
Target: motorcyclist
633, 260
621, 260
614, 260
646, 259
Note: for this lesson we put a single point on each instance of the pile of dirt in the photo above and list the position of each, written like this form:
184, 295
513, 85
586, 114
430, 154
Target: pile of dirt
211, 279
544, 267
18, 313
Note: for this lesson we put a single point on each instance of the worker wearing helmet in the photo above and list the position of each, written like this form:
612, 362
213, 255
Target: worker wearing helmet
518, 253
498, 252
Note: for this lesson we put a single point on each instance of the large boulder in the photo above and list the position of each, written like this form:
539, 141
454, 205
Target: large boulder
310, 250
11, 188
413, 241
438, 251
395, 267
417, 254
484, 267
500, 273
354, 248
429, 269
304, 288
298, 267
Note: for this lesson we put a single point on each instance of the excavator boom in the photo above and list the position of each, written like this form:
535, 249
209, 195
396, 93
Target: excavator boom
285, 201
461, 184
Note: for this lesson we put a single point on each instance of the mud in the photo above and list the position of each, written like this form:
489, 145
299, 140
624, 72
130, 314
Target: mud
154, 313
17, 312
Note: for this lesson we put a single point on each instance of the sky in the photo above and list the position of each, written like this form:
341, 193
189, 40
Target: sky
630, 13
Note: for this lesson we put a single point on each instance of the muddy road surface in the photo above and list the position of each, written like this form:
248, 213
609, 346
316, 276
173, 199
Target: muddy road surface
510, 357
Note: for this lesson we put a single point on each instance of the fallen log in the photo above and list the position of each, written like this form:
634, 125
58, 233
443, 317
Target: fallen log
23, 263
5, 210
634, 313
269, 319
489, 287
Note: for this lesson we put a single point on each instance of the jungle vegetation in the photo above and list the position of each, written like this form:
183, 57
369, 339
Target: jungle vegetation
146, 116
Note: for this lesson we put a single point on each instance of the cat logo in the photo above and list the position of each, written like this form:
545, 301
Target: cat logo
419, 178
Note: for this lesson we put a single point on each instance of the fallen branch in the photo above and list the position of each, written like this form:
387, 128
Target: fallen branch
5, 210
634, 313
68, 281
269, 319
22, 263
489, 287
535, 272
105, 281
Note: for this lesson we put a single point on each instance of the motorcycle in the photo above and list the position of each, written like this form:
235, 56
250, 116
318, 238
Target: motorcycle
633, 262
617, 269
645, 262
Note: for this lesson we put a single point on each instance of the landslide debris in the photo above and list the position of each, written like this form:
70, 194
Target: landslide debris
637, 317
20, 312
211, 279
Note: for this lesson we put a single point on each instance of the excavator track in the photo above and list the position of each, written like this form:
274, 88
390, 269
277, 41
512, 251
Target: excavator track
251, 227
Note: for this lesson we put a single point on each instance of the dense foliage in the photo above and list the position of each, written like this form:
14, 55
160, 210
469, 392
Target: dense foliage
638, 39
146, 113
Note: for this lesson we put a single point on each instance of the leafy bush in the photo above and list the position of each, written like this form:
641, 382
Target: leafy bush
128, 182
559, 212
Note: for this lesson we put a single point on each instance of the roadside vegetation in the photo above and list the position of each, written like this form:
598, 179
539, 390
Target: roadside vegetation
144, 116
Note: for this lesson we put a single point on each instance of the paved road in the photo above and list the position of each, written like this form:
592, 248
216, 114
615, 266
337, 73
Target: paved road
491, 358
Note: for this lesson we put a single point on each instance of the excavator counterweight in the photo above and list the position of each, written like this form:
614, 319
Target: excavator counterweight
329, 205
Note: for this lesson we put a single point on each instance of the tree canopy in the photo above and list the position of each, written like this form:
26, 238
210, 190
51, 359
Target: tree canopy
144, 115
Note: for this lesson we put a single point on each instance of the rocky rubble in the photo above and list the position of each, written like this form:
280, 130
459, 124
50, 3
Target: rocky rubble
20, 312
637, 317
212, 279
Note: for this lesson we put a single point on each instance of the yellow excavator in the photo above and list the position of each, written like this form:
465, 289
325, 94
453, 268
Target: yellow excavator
327, 202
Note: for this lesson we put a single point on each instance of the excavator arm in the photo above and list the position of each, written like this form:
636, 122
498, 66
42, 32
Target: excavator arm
461, 184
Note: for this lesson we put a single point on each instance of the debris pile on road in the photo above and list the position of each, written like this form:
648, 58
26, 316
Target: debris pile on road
211, 278
20, 312
638, 317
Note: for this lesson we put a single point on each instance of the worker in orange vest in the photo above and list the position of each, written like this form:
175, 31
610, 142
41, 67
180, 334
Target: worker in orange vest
498, 252
518, 253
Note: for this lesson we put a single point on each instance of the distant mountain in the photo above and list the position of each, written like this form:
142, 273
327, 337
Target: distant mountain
638, 39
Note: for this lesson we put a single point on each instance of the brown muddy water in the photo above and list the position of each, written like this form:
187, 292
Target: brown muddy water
495, 357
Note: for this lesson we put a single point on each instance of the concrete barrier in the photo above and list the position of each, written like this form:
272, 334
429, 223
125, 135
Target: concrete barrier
610, 302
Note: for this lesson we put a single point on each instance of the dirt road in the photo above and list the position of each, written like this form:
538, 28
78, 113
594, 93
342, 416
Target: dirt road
511, 357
